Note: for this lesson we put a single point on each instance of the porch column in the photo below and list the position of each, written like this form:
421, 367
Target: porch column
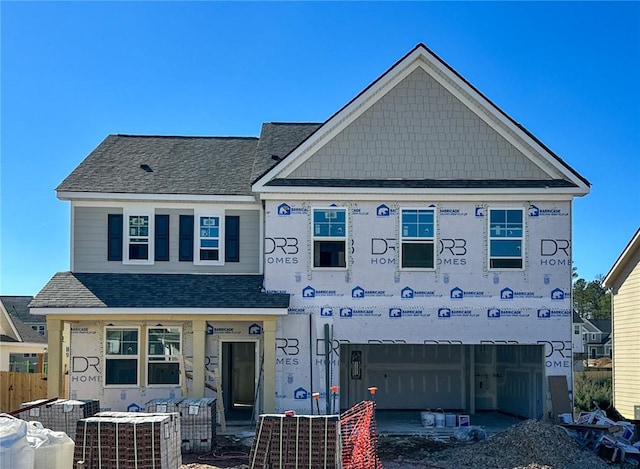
269, 365
199, 337
54, 350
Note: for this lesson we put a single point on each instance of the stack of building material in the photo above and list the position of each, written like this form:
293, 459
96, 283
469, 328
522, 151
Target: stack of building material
198, 424
139, 441
174, 427
63, 414
298, 441
162, 405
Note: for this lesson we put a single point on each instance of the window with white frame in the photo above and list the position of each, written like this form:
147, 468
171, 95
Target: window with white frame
164, 345
417, 238
506, 242
329, 236
39, 328
138, 240
121, 356
576, 329
209, 242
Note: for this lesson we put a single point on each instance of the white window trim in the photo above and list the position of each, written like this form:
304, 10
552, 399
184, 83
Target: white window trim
148, 355
121, 357
138, 211
344, 238
196, 236
417, 240
522, 238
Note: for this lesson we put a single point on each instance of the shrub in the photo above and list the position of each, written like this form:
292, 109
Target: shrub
590, 391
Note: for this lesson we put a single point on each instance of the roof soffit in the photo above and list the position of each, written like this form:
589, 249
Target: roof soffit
421, 58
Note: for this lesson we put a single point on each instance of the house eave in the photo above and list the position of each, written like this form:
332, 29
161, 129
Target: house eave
368, 193
102, 196
177, 312
611, 277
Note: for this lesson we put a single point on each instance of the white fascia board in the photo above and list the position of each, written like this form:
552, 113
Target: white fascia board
77, 196
30, 345
119, 312
351, 194
167, 204
10, 322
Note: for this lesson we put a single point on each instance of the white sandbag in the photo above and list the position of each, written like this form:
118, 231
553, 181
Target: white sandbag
15, 450
53, 450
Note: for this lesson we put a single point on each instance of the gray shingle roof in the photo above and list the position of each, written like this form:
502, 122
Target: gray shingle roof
184, 165
178, 165
278, 139
18, 309
110, 290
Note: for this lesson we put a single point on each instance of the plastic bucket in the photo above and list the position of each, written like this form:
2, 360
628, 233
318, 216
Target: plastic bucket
428, 418
439, 419
450, 420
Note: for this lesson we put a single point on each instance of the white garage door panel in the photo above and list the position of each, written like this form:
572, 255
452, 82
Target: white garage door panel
417, 389
415, 376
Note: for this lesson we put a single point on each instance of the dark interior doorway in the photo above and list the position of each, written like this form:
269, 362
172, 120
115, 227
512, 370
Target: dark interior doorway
238, 379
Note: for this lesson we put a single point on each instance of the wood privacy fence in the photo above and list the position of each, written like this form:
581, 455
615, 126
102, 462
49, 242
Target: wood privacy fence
16, 388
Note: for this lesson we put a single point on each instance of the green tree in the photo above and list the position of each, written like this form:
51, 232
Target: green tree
590, 298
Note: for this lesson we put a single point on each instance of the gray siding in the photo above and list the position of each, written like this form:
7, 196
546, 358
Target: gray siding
90, 244
419, 129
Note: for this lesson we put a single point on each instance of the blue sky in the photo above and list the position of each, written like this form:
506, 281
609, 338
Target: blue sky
72, 73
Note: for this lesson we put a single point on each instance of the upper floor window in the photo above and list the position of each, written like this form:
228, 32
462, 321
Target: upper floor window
329, 237
417, 238
209, 243
40, 328
164, 345
121, 356
138, 238
506, 231
576, 329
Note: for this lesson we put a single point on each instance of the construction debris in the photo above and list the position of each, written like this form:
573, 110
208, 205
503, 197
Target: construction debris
610, 440
529, 444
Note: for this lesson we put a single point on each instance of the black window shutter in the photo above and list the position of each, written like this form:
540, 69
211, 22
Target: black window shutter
114, 243
186, 238
232, 238
162, 237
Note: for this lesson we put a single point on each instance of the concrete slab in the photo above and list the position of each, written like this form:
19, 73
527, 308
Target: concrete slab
404, 422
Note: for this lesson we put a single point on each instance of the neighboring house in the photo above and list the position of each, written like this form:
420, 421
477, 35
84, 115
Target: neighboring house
419, 240
597, 337
578, 337
591, 338
23, 340
624, 281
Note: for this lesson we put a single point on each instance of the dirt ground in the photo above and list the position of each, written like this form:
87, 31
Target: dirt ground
527, 445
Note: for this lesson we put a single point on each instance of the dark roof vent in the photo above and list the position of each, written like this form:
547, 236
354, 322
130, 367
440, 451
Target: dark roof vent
147, 168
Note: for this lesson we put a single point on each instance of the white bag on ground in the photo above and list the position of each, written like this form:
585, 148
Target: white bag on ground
53, 450
15, 450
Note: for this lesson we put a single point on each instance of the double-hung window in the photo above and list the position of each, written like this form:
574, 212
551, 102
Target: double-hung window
138, 238
417, 238
506, 242
329, 235
209, 242
164, 345
121, 356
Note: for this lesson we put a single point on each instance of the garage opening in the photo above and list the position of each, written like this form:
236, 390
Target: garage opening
469, 378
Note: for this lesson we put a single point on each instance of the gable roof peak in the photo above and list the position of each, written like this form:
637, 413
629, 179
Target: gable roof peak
547, 164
